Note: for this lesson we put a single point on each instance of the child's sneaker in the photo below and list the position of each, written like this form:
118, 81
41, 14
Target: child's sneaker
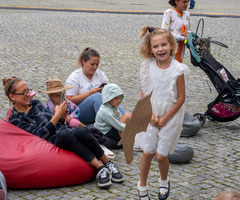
117, 177
104, 177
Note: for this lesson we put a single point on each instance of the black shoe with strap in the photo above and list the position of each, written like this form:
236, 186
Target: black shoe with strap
143, 192
164, 196
144, 197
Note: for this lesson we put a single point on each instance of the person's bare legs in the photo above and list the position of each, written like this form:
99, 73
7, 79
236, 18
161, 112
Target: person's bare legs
163, 164
104, 159
145, 166
146, 160
96, 163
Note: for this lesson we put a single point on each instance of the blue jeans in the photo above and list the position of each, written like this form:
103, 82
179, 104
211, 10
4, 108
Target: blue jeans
89, 107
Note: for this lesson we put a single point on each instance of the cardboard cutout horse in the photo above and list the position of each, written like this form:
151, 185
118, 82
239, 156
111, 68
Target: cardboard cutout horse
139, 121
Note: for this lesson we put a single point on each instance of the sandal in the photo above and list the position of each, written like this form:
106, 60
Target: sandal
164, 196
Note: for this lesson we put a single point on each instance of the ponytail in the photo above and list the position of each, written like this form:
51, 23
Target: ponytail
86, 54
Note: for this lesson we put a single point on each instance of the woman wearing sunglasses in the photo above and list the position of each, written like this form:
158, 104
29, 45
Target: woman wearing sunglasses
33, 117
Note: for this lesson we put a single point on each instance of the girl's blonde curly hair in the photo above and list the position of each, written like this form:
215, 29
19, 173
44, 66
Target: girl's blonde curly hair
149, 32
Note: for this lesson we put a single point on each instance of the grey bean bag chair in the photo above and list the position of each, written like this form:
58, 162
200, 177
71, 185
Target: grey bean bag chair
3, 186
182, 154
191, 125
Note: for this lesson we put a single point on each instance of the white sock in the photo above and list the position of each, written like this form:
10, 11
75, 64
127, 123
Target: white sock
143, 191
163, 183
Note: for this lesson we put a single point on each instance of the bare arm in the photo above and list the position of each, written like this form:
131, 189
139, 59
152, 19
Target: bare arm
154, 120
162, 121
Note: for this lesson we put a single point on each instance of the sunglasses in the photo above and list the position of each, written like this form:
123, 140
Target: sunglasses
24, 93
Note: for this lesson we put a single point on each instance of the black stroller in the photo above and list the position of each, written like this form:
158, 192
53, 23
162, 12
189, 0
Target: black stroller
226, 106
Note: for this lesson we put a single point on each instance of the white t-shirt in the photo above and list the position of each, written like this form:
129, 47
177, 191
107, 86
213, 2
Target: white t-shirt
82, 84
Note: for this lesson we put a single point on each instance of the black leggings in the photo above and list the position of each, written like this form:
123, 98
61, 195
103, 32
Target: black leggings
80, 142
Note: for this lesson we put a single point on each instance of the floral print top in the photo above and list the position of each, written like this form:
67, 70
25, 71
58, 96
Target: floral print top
173, 21
73, 109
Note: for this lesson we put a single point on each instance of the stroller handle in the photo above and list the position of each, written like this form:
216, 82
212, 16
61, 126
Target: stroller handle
219, 43
200, 20
200, 46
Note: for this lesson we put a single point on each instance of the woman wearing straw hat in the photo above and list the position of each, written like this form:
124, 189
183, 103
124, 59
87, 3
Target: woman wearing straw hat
33, 117
56, 93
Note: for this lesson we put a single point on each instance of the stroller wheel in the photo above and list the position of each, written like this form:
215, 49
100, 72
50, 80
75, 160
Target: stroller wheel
200, 117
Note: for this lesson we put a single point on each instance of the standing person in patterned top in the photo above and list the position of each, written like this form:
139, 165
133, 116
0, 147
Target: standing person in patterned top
164, 77
56, 91
177, 21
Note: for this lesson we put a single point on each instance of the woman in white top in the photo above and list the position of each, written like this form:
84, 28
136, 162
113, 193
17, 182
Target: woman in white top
88, 82
177, 21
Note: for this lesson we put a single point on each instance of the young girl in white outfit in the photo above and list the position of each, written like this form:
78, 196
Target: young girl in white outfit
164, 76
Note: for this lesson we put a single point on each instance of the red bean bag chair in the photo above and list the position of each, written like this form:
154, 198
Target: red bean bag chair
28, 161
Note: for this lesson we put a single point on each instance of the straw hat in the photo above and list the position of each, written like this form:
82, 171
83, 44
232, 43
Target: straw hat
55, 86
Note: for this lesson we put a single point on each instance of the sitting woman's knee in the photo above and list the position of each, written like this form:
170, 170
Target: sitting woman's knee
63, 134
97, 95
63, 138
82, 133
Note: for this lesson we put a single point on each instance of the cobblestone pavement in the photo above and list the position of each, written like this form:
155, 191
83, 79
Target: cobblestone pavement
40, 45
202, 6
